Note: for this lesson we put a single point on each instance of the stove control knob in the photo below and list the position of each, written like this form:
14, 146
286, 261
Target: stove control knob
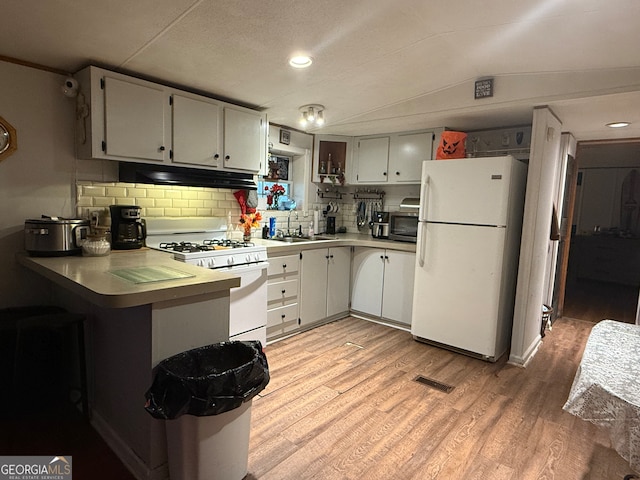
248, 258
211, 263
230, 261
257, 257
201, 263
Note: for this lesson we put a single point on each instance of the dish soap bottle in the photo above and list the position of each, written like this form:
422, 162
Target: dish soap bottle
265, 231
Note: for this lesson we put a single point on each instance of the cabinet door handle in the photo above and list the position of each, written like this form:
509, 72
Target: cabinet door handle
283, 315
284, 265
397, 173
227, 157
327, 257
330, 256
384, 173
162, 148
386, 257
283, 292
381, 257
216, 156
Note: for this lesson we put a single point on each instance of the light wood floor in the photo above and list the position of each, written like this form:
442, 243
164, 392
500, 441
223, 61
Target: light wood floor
343, 404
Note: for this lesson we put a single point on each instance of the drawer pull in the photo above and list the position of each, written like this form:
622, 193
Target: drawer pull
283, 291
284, 265
283, 315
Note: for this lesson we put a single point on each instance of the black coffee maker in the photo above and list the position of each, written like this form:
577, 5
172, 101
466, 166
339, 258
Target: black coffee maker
128, 230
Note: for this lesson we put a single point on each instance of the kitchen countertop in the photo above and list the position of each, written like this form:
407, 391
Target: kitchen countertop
92, 277
277, 247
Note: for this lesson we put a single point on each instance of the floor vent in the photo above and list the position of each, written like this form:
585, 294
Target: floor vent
443, 387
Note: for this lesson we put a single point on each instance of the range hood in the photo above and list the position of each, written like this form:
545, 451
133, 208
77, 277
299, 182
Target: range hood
188, 177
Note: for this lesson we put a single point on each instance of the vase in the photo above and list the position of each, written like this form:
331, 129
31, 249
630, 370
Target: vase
246, 237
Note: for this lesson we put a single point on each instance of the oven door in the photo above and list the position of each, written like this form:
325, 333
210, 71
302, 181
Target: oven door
248, 308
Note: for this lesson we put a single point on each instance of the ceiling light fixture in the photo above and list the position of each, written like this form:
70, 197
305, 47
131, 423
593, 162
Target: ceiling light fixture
618, 124
300, 61
312, 115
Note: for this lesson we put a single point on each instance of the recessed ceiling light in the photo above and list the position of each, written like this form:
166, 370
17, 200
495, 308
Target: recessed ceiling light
300, 61
618, 124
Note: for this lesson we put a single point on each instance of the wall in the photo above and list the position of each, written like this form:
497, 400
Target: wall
39, 177
534, 247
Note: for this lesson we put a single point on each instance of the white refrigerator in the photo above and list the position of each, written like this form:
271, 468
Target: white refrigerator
469, 230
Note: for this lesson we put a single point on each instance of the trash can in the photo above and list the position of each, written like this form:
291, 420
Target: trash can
205, 394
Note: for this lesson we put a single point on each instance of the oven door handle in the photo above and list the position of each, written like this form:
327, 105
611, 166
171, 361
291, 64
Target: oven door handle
245, 267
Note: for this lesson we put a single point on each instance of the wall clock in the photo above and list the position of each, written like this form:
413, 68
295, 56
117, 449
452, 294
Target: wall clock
8, 139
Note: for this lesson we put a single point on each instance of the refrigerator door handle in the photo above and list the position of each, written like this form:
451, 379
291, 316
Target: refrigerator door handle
422, 241
424, 200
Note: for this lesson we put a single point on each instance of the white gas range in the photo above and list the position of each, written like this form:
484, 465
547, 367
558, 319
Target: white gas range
203, 242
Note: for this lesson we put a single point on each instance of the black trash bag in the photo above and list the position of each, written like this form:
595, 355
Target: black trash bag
208, 380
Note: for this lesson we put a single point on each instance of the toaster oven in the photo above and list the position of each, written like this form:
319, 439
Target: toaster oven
403, 226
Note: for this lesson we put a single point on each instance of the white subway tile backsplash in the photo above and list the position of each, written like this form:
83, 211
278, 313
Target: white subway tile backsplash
153, 212
103, 201
190, 194
181, 203
155, 193
147, 202
172, 193
136, 192
172, 212
186, 212
113, 191
204, 212
162, 202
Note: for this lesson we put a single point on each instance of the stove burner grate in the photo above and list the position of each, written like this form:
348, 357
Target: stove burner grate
185, 247
227, 243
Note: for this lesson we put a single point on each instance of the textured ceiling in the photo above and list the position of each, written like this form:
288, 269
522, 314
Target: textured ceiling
379, 65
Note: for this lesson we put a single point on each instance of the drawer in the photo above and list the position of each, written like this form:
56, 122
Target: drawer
285, 265
280, 291
279, 317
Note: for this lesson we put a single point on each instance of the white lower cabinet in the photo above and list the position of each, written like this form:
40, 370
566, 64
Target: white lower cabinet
382, 283
283, 281
324, 284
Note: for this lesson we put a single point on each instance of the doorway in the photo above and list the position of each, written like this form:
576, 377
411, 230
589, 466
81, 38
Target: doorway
603, 268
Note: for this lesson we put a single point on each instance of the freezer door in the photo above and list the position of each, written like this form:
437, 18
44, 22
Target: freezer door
457, 292
469, 190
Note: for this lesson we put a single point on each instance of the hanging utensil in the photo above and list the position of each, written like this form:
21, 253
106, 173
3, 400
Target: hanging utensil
361, 214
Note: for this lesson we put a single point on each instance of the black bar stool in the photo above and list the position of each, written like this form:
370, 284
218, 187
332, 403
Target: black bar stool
44, 339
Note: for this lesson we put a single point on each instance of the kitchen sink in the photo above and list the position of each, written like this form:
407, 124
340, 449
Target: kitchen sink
299, 239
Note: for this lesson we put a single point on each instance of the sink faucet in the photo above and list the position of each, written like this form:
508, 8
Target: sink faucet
289, 221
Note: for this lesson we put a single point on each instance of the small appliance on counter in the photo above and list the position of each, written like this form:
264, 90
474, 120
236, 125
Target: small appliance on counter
380, 225
331, 225
55, 236
403, 224
128, 230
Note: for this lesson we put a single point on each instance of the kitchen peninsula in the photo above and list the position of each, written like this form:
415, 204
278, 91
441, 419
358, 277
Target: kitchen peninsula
142, 307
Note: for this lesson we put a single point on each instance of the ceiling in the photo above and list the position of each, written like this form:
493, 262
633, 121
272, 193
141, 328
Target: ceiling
379, 65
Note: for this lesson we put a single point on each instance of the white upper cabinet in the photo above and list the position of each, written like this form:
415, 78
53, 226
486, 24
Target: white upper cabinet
128, 119
408, 151
243, 147
390, 159
134, 120
196, 131
373, 160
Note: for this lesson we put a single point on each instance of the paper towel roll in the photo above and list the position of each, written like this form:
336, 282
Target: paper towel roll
316, 222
